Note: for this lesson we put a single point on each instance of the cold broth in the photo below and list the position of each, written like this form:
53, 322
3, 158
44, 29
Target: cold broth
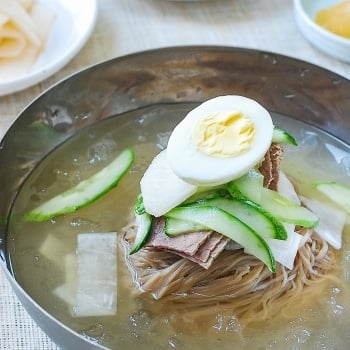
140, 321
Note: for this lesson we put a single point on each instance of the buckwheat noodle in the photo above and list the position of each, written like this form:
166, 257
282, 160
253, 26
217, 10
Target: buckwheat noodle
236, 281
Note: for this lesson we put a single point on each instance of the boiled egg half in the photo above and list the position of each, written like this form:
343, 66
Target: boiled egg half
220, 140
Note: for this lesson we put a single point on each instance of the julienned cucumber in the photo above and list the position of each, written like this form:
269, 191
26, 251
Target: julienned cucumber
229, 226
144, 226
86, 191
281, 136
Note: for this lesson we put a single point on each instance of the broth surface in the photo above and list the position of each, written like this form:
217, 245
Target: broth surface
141, 322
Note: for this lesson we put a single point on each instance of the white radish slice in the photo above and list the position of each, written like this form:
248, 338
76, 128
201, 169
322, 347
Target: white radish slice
67, 291
285, 251
13, 42
332, 221
286, 188
53, 249
21, 19
90, 287
96, 274
336, 192
161, 189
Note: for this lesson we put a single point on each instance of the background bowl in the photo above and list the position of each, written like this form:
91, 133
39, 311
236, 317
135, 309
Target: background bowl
324, 40
183, 74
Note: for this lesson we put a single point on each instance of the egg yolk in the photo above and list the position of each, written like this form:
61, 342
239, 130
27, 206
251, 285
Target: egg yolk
336, 19
224, 134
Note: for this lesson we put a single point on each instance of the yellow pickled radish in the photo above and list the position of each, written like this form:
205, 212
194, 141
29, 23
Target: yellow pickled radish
336, 19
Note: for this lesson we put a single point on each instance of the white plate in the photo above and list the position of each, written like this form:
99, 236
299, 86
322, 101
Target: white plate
74, 22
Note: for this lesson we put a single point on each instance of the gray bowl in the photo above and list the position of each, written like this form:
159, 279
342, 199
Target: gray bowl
182, 74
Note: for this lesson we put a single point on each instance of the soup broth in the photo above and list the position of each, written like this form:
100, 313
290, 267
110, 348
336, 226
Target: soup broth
141, 322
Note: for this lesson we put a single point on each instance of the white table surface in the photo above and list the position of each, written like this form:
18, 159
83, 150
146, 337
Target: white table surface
127, 26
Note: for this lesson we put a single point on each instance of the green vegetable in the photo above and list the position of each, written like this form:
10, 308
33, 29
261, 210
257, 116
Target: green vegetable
262, 222
220, 221
174, 227
281, 136
205, 193
248, 186
139, 207
336, 192
144, 229
86, 191
286, 210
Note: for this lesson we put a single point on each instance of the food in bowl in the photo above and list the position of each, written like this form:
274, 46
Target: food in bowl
24, 30
324, 39
335, 18
173, 299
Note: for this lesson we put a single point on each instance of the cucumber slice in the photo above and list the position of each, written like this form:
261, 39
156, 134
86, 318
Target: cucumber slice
229, 226
336, 192
249, 186
262, 222
281, 136
86, 191
249, 212
285, 210
205, 193
174, 227
144, 226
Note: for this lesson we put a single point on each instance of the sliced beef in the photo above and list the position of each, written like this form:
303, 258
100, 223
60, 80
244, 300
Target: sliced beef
186, 244
201, 247
214, 241
270, 166
208, 252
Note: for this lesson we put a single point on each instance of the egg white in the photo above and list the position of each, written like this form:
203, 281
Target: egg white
200, 169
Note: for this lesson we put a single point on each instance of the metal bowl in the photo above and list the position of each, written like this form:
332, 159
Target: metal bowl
182, 74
